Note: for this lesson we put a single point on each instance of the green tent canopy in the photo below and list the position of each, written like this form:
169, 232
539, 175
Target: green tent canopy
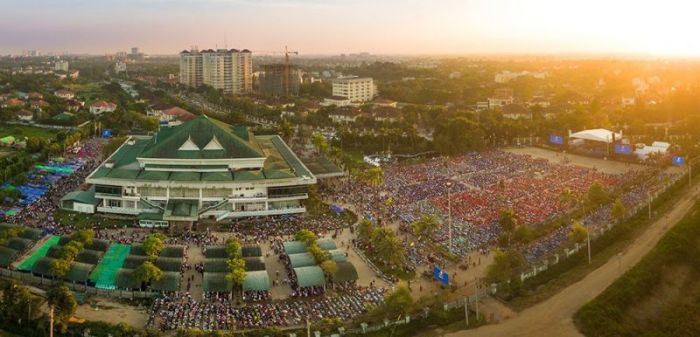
79, 272
137, 249
31, 234
251, 251
254, 263
89, 256
134, 261
173, 251
19, 244
346, 272
43, 267
216, 282
216, 252
216, 266
310, 276
302, 260
338, 255
169, 264
256, 281
327, 244
99, 245
125, 279
170, 281
294, 247
7, 256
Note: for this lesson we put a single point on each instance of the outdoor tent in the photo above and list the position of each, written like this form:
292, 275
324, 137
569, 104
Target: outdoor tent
125, 279
169, 264
326, 244
216, 282
99, 245
597, 135
338, 255
173, 251
254, 263
7, 256
134, 261
78, 272
302, 260
19, 244
346, 272
216, 265
294, 247
251, 251
137, 249
168, 282
43, 267
310, 276
89, 256
256, 281
32, 234
216, 252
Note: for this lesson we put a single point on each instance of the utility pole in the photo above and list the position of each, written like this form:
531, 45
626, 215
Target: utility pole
308, 328
466, 311
588, 239
476, 286
649, 198
449, 216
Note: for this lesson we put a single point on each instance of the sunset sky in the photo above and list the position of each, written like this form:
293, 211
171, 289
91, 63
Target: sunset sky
665, 28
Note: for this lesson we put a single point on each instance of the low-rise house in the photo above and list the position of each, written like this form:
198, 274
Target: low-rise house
337, 101
64, 94
383, 102
25, 115
345, 115
516, 111
13, 103
38, 104
100, 107
35, 95
387, 114
74, 105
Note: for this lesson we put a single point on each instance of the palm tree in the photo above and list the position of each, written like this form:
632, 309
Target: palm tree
61, 305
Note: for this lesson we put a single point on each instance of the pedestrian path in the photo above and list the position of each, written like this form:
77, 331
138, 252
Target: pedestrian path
105, 274
29, 262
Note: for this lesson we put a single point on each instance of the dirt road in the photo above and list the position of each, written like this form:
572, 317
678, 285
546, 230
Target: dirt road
553, 317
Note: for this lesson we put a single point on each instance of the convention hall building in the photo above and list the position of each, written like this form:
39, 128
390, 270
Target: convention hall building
202, 169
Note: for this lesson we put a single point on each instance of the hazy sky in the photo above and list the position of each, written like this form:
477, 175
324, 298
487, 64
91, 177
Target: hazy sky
668, 27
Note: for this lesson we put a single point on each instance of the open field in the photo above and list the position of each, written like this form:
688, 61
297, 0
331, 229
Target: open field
21, 131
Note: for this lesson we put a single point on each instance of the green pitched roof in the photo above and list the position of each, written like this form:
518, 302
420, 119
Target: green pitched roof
256, 281
83, 197
235, 142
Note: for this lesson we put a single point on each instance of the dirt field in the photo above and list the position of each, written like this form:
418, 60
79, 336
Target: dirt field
553, 317
606, 166
106, 310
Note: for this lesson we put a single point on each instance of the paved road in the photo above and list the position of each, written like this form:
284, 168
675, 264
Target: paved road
553, 317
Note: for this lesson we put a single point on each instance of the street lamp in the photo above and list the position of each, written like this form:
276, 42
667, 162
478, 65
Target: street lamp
449, 214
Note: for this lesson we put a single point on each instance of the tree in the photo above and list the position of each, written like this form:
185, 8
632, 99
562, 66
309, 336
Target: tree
578, 233
320, 142
236, 271
147, 272
62, 306
153, 244
85, 236
597, 195
365, 229
508, 222
388, 247
569, 197
59, 267
618, 210
398, 301
425, 226
306, 236
233, 248
506, 266
329, 267
17, 305
522, 234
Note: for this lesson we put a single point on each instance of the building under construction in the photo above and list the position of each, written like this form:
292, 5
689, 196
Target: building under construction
279, 80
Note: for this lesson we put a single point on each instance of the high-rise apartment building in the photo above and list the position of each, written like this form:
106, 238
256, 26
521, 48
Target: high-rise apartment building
60, 65
226, 70
279, 80
356, 89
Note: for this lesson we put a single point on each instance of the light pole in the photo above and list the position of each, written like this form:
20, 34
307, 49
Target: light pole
649, 199
588, 238
449, 215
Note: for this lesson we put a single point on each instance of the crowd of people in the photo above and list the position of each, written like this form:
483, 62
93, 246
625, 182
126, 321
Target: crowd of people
474, 189
181, 311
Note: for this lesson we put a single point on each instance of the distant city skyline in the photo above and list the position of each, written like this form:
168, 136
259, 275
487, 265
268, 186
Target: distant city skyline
663, 28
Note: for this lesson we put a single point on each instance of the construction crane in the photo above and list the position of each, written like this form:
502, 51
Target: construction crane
285, 72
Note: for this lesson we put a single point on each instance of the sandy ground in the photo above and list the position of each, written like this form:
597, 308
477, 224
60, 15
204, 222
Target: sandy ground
602, 165
106, 310
553, 317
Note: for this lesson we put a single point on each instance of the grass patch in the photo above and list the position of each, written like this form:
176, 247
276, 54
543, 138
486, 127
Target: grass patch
86, 221
21, 131
660, 296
